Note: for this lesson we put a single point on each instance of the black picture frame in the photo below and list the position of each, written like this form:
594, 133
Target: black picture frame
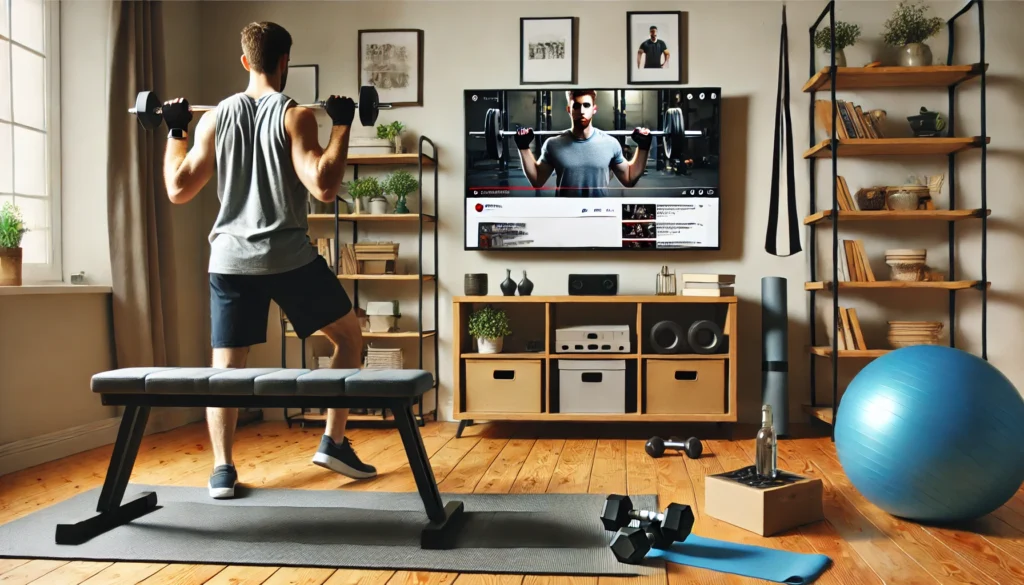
573, 46
679, 40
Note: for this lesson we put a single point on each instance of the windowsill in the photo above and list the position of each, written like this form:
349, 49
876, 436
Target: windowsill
55, 288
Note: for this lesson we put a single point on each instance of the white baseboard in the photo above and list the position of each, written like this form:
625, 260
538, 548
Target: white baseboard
26, 453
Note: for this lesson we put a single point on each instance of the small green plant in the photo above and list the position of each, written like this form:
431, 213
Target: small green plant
12, 226
910, 25
846, 36
390, 131
489, 323
400, 183
365, 188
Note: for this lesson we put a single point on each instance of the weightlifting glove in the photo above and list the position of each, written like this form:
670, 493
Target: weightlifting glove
642, 138
341, 110
176, 114
524, 136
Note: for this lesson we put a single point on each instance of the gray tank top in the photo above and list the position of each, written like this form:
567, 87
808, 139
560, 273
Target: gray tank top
261, 227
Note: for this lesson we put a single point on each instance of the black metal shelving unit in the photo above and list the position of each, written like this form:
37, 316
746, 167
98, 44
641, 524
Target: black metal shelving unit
835, 145
427, 219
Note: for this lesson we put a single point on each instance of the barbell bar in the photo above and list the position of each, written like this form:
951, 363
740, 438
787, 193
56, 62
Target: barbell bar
673, 134
149, 108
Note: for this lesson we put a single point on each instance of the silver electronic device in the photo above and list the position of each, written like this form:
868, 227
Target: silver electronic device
592, 339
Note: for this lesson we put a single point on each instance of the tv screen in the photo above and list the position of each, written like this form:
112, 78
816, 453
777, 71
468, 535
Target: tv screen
552, 170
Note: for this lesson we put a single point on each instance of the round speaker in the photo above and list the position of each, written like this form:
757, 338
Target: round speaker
705, 337
667, 337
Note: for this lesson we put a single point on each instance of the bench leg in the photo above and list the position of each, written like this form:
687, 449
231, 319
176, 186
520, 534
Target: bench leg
112, 513
445, 520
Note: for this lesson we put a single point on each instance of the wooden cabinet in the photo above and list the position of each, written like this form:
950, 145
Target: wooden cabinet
522, 382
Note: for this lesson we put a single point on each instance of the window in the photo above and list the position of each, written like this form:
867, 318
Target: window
30, 131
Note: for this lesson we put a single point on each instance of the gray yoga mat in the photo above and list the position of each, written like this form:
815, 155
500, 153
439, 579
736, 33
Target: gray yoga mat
774, 346
555, 534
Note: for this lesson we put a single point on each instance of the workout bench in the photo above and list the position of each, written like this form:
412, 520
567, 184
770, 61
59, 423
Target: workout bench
139, 389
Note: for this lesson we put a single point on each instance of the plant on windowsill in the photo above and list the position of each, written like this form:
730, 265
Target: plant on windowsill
367, 188
846, 36
392, 133
400, 183
908, 28
489, 326
12, 228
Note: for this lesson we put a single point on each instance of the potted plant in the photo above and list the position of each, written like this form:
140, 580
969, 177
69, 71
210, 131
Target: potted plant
12, 228
393, 133
400, 183
846, 36
365, 188
489, 326
908, 28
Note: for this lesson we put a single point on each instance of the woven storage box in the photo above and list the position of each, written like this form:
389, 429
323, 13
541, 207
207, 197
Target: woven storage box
380, 358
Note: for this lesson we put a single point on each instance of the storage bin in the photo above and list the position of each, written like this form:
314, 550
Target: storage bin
589, 386
503, 385
686, 386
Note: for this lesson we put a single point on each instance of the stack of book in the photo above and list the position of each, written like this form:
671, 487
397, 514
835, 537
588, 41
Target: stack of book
376, 257
708, 285
851, 120
850, 336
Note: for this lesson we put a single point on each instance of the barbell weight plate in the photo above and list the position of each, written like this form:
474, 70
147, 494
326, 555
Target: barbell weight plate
368, 102
146, 104
672, 140
492, 133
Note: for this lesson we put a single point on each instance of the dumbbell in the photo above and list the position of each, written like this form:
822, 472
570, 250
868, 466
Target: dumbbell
631, 543
656, 446
149, 109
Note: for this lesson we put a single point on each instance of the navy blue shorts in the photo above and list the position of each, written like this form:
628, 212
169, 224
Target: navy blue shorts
311, 298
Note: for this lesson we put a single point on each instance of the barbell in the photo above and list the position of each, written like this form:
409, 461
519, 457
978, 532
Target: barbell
149, 108
672, 136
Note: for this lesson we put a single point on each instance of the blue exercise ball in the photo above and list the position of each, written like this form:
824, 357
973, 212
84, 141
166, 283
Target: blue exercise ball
933, 434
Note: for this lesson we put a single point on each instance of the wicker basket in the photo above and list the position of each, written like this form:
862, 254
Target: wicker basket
380, 358
870, 199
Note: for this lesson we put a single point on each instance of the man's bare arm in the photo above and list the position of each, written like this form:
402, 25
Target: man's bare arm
186, 172
321, 170
629, 172
537, 173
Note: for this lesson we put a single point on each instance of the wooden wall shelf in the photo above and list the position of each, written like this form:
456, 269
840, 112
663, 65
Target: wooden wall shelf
410, 158
849, 147
890, 284
650, 377
887, 215
826, 351
892, 77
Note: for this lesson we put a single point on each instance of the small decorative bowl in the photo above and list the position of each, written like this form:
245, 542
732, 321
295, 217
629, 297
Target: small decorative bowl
476, 285
903, 201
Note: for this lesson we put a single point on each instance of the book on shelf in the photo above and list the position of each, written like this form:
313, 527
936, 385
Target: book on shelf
851, 120
853, 262
849, 335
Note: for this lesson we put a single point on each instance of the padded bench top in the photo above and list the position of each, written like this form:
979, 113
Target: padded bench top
264, 382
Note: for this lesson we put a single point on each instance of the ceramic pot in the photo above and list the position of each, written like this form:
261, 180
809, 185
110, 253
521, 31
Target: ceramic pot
840, 58
400, 206
490, 345
378, 205
525, 286
508, 286
475, 285
915, 55
903, 201
10, 266
399, 149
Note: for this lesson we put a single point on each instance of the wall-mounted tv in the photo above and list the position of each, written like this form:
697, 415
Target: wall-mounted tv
578, 180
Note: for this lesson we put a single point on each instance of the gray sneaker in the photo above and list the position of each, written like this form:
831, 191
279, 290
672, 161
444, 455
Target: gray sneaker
223, 481
342, 459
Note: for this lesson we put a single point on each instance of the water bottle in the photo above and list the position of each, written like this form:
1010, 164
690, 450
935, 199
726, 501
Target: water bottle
767, 446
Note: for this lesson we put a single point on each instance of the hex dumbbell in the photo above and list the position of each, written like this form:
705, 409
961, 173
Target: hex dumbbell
631, 543
656, 446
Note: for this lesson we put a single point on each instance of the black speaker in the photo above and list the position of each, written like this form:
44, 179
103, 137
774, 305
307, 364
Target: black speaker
593, 284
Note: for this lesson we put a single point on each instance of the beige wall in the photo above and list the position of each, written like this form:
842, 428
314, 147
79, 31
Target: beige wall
731, 44
59, 340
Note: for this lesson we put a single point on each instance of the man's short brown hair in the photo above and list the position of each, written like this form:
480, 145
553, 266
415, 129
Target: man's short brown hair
572, 94
263, 44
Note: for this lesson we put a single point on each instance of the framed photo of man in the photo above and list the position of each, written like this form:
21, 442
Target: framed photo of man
656, 47
391, 60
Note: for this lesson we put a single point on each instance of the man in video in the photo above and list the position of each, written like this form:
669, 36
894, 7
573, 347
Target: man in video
653, 49
582, 155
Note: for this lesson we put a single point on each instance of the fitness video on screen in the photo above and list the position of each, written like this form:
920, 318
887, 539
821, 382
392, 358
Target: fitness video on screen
580, 168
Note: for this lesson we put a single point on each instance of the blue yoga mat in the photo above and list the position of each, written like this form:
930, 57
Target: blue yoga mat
743, 559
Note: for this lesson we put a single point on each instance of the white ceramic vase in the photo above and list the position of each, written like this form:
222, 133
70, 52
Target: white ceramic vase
378, 206
915, 55
490, 344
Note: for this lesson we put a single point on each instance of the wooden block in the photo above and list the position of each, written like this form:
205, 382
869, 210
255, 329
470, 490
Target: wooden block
787, 502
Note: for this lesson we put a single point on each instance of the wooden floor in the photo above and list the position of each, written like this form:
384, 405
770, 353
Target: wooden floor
866, 545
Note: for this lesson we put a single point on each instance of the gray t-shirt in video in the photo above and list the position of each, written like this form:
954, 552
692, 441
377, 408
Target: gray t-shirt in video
582, 167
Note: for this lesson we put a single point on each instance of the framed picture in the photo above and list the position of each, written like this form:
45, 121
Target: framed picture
391, 60
304, 83
656, 47
547, 50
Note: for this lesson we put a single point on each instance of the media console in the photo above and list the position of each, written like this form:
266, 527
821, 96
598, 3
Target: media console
534, 380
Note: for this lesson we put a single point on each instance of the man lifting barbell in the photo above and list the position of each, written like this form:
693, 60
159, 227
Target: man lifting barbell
268, 160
